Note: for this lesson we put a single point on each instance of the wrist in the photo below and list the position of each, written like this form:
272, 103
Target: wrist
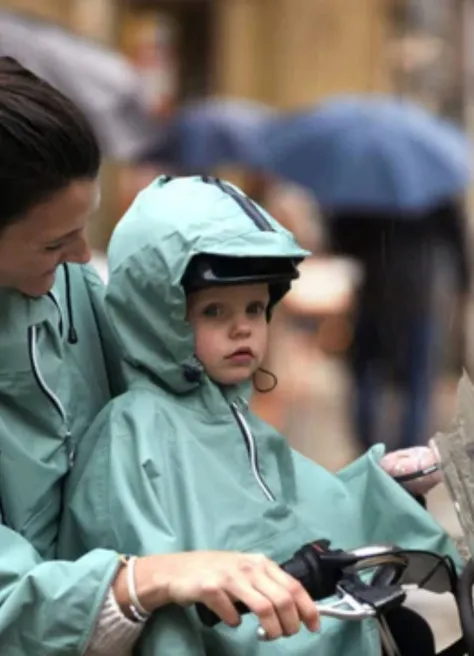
151, 585
152, 581
120, 591
125, 591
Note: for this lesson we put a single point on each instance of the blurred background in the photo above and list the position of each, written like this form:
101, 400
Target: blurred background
234, 88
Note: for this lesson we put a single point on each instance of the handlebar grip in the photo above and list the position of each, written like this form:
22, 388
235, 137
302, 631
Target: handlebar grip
298, 568
209, 618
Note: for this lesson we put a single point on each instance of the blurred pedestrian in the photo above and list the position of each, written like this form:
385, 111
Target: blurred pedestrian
416, 268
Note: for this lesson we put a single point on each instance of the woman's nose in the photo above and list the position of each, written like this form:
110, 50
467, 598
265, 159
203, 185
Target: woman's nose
79, 252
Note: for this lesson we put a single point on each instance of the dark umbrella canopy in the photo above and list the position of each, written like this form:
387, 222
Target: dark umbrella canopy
372, 153
208, 133
100, 81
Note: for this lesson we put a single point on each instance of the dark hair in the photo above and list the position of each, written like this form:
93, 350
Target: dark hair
45, 142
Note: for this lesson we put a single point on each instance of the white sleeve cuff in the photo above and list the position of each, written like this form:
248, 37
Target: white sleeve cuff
114, 634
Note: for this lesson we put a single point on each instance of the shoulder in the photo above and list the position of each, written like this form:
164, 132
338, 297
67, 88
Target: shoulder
86, 276
116, 427
136, 411
127, 424
81, 282
123, 437
81, 294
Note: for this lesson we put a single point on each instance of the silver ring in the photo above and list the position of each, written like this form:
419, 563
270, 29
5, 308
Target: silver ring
262, 634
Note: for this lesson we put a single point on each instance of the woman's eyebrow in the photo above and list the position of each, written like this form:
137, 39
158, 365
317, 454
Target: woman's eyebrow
56, 240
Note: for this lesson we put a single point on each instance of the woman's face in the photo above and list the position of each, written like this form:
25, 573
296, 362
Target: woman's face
50, 234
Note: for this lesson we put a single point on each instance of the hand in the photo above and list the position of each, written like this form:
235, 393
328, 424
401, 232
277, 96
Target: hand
406, 461
219, 578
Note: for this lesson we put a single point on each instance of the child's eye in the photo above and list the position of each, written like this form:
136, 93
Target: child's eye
256, 309
213, 310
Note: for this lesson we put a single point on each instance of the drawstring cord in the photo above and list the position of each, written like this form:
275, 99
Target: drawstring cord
72, 337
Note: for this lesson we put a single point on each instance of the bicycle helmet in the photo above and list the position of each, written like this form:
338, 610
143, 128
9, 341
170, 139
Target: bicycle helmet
218, 270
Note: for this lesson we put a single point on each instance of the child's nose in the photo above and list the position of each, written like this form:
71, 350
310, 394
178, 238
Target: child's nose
242, 327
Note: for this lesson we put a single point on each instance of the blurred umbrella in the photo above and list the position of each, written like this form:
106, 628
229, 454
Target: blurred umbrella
213, 132
100, 81
371, 153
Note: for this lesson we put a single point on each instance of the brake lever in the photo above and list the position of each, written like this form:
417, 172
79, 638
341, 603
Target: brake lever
360, 603
346, 608
343, 608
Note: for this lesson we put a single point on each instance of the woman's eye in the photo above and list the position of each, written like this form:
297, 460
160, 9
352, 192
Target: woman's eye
53, 247
212, 311
256, 309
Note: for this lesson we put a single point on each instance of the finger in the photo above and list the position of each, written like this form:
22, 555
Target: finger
222, 605
305, 606
393, 456
397, 465
389, 463
280, 596
427, 457
419, 455
425, 484
259, 604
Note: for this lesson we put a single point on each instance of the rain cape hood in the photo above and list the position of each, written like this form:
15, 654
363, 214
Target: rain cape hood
176, 463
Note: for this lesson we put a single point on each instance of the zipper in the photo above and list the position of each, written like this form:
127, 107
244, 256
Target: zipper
252, 450
50, 395
244, 203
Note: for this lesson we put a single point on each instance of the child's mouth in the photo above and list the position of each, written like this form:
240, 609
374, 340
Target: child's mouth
241, 355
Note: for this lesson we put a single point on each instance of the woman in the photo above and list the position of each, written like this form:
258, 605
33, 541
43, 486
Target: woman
56, 367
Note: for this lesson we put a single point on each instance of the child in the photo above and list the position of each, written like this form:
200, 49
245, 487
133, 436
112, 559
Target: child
178, 465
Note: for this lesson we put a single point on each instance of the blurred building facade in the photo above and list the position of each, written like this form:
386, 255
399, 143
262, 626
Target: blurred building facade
288, 53
284, 52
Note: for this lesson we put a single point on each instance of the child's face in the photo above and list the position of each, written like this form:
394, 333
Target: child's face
230, 330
